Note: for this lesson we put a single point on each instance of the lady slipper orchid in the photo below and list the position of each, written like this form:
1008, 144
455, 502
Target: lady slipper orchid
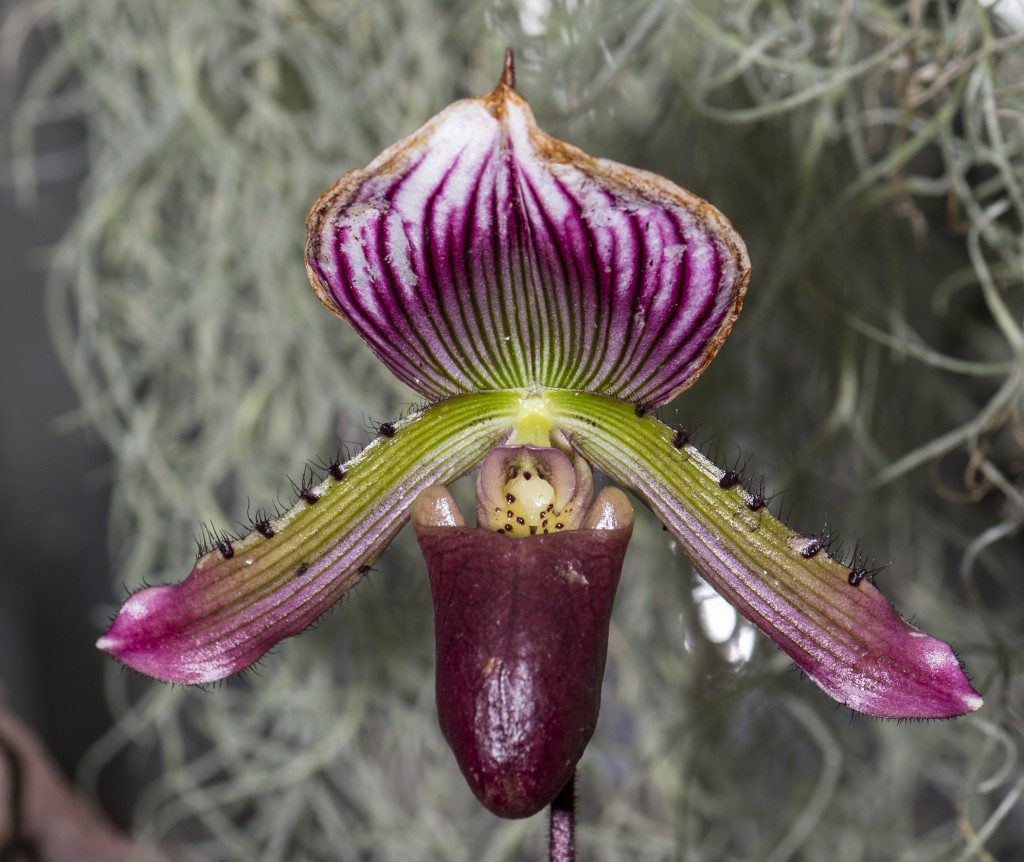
543, 301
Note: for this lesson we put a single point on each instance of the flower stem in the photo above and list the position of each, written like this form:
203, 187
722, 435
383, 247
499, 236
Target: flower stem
562, 846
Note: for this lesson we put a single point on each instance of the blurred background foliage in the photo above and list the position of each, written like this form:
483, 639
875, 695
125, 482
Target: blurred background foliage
872, 155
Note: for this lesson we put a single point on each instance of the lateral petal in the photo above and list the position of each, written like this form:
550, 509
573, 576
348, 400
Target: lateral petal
247, 595
833, 622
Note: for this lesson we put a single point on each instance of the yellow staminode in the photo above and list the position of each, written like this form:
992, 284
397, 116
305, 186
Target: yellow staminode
530, 504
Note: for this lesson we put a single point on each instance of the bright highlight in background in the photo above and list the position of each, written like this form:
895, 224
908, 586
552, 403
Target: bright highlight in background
733, 635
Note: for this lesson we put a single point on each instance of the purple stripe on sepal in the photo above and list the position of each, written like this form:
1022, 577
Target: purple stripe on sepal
480, 253
837, 627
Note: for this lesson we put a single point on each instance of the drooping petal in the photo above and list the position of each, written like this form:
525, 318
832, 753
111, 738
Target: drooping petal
247, 595
831, 620
480, 253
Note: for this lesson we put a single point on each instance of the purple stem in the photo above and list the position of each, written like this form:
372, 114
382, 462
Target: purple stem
562, 847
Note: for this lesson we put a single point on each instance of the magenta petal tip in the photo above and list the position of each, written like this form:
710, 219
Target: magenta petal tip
143, 638
920, 677
219, 620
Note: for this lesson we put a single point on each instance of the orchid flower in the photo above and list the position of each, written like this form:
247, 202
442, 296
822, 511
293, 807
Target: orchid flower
544, 302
